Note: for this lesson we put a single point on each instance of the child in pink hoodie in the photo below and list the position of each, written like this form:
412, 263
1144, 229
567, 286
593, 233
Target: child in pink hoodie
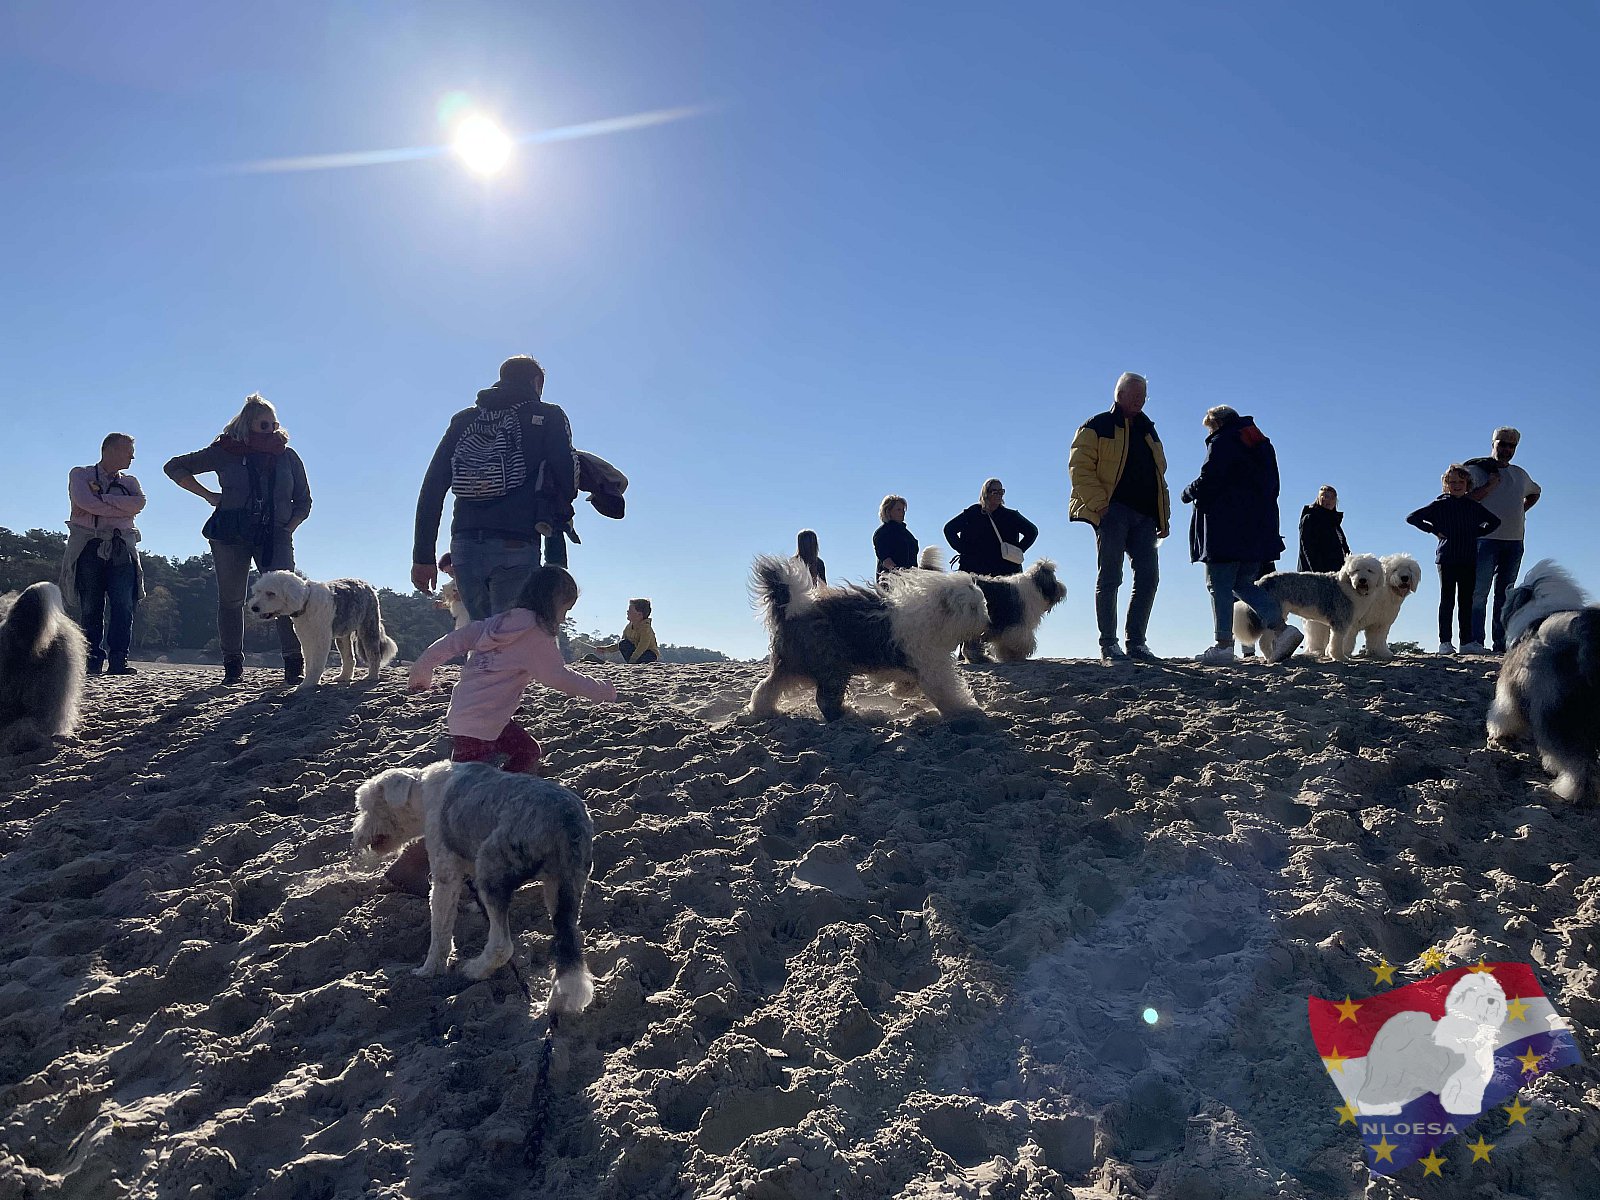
503, 654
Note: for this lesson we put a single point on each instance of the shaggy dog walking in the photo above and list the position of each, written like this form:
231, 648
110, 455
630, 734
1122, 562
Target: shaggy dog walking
342, 610
1339, 600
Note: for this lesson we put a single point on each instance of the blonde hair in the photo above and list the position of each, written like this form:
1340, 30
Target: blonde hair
888, 503
1456, 471
239, 428
983, 492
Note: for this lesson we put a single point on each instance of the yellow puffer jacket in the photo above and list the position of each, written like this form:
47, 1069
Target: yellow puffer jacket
1099, 454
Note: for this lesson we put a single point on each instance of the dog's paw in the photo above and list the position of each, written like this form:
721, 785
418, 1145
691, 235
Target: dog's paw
428, 969
479, 968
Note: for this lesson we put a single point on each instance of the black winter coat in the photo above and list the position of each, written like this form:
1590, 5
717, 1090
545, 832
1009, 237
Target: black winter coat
1235, 498
971, 536
893, 541
1322, 544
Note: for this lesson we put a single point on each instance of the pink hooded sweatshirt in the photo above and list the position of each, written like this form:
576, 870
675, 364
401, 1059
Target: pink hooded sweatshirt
503, 654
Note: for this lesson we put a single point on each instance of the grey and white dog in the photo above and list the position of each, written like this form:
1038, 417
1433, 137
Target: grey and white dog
1016, 605
342, 610
501, 831
904, 631
1339, 599
1549, 685
42, 660
1402, 576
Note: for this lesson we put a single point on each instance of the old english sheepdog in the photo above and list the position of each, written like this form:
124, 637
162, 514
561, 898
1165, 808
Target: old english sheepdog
1402, 576
1549, 685
1452, 1057
345, 610
501, 831
903, 631
1339, 599
1016, 604
42, 659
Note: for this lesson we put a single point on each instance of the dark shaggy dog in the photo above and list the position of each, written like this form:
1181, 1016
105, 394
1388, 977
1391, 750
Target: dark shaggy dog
1549, 685
42, 660
903, 631
1016, 603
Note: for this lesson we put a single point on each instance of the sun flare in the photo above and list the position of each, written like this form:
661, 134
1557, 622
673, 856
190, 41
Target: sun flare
482, 145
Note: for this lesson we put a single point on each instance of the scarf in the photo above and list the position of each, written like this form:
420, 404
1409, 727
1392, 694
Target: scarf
273, 442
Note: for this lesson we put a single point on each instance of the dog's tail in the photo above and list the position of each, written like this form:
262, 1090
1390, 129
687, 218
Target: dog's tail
389, 648
931, 558
34, 618
1586, 628
1247, 624
574, 986
780, 588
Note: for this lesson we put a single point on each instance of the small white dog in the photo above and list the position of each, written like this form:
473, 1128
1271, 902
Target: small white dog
500, 830
1402, 576
1338, 599
345, 610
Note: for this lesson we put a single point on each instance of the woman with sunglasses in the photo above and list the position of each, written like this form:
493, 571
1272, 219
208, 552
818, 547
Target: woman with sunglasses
263, 499
991, 538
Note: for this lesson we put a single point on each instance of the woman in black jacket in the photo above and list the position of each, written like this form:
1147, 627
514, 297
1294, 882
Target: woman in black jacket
263, 499
990, 538
1322, 544
893, 545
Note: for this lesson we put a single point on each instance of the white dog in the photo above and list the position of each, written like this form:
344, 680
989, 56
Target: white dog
500, 830
1338, 599
1402, 576
1453, 1057
345, 610
42, 659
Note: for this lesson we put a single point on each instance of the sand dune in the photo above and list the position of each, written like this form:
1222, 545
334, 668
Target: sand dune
881, 958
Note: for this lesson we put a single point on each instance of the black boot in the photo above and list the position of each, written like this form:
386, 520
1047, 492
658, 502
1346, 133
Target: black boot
294, 669
233, 668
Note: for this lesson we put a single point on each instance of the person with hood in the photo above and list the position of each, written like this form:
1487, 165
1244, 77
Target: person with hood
1119, 486
1322, 544
264, 498
509, 460
988, 537
1234, 528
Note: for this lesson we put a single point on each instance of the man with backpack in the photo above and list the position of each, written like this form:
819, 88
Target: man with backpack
509, 460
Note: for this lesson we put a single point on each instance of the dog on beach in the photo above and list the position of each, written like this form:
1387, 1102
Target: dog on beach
1402, 575
1549, 685
342, 610
42, 660
1016, 605
1338, 599
904, 631
501, 831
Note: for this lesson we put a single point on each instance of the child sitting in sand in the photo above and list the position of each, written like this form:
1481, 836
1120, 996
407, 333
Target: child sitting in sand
638, 641
504, 653
450, 594
1458, 521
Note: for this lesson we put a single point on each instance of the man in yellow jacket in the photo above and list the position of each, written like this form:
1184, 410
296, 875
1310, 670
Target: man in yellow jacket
1119, 485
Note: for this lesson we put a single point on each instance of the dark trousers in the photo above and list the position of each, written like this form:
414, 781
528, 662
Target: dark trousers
627, 649
107, 596
1456, 581
1124, 532
521, 751
233, 579
1499, 559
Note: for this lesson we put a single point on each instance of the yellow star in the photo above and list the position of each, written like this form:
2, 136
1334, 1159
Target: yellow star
1383, 1150
1517, 1009
1516, 1113
1529, 1061
1482, 968
1383, 971
1337, 1060
1480, 1149
1431, 959
1347, 1112
1347, 1010
1431, 1164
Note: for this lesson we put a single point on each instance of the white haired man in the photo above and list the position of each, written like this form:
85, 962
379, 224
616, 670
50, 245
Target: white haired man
1119, 485
1508, 492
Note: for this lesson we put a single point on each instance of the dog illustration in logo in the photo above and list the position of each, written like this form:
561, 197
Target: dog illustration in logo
1454, 1056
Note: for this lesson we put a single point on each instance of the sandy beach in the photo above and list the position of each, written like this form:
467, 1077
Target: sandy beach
881, 958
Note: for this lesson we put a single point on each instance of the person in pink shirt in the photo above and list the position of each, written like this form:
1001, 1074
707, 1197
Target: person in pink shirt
504, 654
100, 568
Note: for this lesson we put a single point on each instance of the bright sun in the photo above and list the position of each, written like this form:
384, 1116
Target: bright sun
482, 145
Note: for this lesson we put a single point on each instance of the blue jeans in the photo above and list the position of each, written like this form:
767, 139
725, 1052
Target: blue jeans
490, 570
1499, 560
1125, 531
106, 585
1227, 580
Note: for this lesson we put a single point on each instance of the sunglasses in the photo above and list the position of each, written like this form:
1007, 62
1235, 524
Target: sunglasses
266, 426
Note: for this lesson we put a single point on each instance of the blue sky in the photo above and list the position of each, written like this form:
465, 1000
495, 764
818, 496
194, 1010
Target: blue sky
906, 247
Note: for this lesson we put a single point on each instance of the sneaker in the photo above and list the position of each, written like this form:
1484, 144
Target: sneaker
1288, 641
1142, 652
121, 669
1217, 656
233, 668
1445, 648
1247, 651
1112, 653
294, 669
1474, 648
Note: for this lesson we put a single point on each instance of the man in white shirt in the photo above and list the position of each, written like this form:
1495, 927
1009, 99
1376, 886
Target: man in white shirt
1508, 493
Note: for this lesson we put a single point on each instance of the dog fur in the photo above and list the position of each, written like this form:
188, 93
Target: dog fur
1549, 685
1016, 605
1402, 576
342, 610
501, 831
903, 631
43, 655
1338, 599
